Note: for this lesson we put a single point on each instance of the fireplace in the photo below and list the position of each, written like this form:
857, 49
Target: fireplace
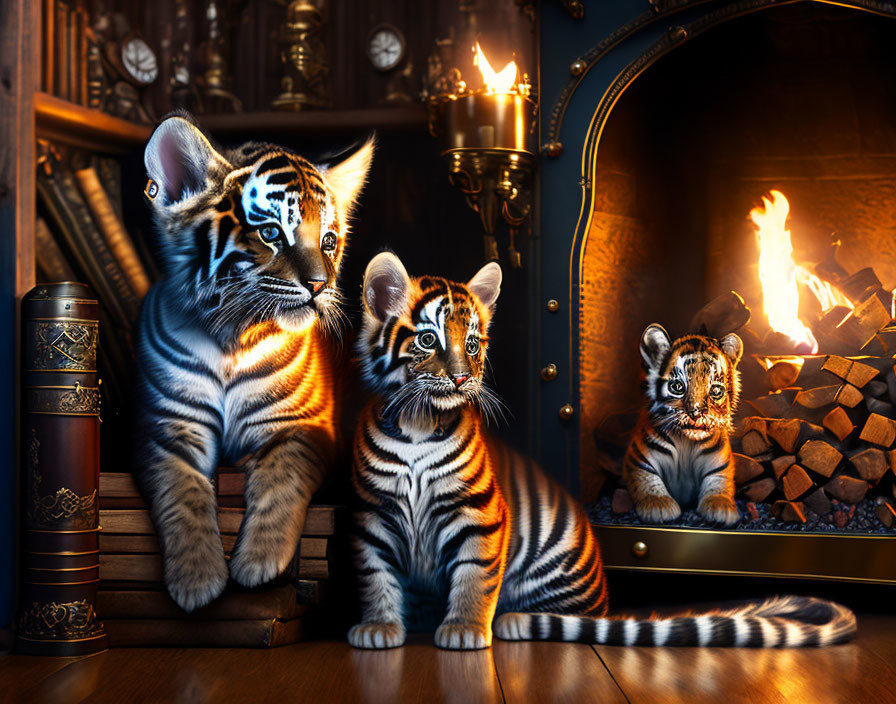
667, 135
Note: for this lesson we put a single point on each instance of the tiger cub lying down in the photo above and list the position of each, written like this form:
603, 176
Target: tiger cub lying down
447, 513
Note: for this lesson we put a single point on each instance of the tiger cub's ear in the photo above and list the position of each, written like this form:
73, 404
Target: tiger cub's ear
733, 348
181, 160
655, 343
347, 178
386, 286
486, 284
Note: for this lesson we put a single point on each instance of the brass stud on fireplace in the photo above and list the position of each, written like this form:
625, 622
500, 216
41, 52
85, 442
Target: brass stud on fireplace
566, 411
549, 373
553, 305
639, 549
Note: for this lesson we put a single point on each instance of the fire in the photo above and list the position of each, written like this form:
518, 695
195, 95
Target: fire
780, 275
500, 82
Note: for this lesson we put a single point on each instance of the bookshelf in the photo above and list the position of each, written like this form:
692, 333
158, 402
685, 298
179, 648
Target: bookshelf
67, 123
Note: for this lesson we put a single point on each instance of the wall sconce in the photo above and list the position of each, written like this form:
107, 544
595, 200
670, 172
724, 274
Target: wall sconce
487, 140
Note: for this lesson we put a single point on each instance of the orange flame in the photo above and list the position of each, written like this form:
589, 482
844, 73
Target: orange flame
501, 82
780, 275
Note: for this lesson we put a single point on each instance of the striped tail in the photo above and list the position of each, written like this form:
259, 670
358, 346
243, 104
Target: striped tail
778, 622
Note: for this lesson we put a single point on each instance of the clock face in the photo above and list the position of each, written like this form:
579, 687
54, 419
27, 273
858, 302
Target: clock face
385, 47
139, 61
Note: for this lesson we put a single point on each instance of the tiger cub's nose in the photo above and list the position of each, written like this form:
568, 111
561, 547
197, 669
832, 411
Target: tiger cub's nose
460, 379
315, 285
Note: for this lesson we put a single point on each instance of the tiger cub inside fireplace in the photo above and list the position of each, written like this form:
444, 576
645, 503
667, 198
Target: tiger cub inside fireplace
680, 454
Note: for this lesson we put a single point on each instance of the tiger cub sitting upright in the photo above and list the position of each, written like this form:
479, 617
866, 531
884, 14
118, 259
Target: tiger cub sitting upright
680, 454
448, 515
233, 363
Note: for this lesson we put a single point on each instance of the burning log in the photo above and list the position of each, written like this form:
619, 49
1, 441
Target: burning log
754, 444
795, 482
885, 512
819, 502
849, 396
820, 457
847, 489
860, 286
782, 464
722, 315
789, 511
871, 464
818, 397
838, 423
760, 489
782, 375
878, 430
745, 469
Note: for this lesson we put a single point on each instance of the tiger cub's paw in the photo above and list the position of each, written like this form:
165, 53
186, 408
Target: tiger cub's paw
376, 635
252, 564
658, 509
463, 636
513, 626
719, 508
197, 575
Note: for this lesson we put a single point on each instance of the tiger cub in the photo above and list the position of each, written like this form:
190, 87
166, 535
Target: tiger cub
680, 454
447, 514
233, 364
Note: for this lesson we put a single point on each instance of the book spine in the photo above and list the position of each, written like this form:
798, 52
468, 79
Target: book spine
74, 45
113, 231
246, 633
49, 257
60, 32
272, 602
82, 55
60, 423
48, 23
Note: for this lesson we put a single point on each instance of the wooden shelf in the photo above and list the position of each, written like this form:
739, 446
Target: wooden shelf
405, 117
61, 121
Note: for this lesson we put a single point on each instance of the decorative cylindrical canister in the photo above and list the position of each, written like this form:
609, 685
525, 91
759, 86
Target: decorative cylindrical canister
60, 477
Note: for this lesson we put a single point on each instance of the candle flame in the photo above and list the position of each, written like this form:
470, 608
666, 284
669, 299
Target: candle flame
495, 82
779, 275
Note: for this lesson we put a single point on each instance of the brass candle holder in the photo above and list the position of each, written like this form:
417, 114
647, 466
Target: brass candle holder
488, 142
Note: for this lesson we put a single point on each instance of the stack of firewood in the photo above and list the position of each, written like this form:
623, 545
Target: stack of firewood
825, 431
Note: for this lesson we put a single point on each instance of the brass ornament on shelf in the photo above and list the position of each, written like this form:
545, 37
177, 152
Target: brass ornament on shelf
59, 621
306, 81
214, 79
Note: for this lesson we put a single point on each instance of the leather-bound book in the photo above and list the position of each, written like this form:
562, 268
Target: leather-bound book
113, 231
60, 452
49, 257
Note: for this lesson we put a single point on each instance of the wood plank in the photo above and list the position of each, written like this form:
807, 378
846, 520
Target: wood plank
553, 672
318, 121
320, 520
321, 671
62, 121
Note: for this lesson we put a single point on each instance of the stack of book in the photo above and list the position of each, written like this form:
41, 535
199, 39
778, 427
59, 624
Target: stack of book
137, 610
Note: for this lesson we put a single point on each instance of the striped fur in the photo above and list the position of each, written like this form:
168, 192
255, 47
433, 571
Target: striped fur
449, 517
234, 365
680, 454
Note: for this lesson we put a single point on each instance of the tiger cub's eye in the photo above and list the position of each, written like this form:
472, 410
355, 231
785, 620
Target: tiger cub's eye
717, 391
426, 340
676, 387
328, 242
473, 346
270, 233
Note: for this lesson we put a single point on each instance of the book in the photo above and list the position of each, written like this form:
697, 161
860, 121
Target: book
71, 63
48, 48
69, 215
319, 521
243, 633
49, 257
119, 567
270, 602
112, 229
62, 17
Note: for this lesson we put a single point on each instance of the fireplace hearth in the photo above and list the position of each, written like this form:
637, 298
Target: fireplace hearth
679, 125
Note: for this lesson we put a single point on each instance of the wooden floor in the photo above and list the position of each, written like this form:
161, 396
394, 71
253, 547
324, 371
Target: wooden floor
862, 671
